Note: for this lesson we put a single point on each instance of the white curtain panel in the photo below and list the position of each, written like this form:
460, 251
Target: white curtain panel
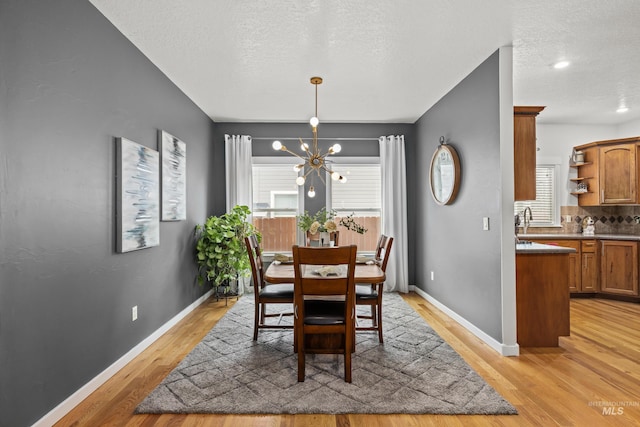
394, 210
238, 175
238, 170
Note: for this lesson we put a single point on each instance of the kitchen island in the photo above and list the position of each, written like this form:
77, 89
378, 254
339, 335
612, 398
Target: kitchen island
542, 294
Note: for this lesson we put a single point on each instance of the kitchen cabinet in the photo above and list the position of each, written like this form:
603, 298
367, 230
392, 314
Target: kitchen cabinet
583, 264
589, 266
524, 152
618, 174
619, 267
542, 298
609, 172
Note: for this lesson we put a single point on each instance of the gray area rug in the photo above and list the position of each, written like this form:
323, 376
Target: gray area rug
413, 372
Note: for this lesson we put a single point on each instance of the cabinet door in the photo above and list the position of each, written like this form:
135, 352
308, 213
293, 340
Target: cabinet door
589, 274
574, 273
619, 267
618, 174
524, 152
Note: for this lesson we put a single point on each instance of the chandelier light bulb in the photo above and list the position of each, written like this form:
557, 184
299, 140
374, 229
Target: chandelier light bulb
314, 121
335, 176
298, 168
304, 146
300, 180
277, 145
343, 179
337, 148
312, 192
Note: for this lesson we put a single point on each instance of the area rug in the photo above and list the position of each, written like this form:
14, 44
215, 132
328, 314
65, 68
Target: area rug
413, 372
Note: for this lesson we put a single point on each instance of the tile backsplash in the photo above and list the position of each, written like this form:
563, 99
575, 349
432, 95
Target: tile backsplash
608, 220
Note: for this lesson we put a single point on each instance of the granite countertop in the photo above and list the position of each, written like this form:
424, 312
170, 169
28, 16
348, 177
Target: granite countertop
538, 248
579, 236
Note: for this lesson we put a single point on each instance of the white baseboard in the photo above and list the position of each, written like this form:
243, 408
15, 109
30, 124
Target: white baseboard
72, 401
503, 349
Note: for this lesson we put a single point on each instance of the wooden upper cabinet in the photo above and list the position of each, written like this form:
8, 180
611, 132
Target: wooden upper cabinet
610, 172
524, 152
618, 174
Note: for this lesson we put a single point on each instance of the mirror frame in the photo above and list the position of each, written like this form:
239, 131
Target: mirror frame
435, 163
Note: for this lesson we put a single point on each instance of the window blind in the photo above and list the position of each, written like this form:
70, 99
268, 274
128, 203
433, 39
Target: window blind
543, 207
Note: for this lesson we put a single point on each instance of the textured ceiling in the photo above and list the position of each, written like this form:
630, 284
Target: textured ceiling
383, 60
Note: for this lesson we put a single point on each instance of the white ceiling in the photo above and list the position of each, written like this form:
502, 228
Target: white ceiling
386, 60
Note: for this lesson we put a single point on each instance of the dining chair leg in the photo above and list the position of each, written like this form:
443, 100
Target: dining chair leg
347, 356
255, 322
379, 323
263, 308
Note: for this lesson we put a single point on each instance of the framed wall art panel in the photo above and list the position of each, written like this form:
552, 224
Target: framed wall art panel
138, 198
174, 177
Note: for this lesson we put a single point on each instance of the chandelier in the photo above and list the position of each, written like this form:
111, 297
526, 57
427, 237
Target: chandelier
313, 160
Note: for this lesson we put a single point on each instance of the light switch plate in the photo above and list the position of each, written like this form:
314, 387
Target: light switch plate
485, 223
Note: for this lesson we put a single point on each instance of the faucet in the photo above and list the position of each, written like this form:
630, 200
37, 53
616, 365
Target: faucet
527, 221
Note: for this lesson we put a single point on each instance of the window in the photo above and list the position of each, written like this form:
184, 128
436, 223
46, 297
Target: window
361, 196
544, 209
275, 204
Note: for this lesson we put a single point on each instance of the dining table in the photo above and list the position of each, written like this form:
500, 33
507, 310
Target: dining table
366, 272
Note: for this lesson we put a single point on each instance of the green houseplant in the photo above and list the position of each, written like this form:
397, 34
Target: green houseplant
221, 253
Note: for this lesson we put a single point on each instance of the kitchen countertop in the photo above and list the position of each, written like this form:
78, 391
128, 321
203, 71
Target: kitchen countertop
538, 248
579, 236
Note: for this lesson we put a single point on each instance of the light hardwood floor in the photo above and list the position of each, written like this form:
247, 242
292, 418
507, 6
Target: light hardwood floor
599, 364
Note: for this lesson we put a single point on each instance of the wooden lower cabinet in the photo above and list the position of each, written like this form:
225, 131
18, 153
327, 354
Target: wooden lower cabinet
589, 266
542, 299
583, 267
619, 267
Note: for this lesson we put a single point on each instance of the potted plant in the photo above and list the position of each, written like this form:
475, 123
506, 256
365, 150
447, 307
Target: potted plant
221, 253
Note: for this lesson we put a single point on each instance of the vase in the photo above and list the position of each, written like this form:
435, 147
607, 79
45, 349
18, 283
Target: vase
322, 238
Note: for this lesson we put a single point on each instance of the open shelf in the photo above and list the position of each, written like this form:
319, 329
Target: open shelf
580, 179
576, 165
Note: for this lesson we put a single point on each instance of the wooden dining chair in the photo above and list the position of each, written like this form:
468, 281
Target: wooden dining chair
371, 295
266, 293
324, 303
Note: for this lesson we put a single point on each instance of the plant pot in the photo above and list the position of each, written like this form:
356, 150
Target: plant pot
322, 238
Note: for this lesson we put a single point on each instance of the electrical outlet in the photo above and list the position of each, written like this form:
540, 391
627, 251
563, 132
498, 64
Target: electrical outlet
134, 313
567, 219
432, 275
485, 223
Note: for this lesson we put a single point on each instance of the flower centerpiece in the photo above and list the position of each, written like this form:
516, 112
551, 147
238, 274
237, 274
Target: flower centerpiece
322, 225
322, 221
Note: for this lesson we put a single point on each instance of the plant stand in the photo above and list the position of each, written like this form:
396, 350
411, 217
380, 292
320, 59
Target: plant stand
227, 291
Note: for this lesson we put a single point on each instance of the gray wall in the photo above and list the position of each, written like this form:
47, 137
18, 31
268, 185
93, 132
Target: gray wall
449, 239
69, 84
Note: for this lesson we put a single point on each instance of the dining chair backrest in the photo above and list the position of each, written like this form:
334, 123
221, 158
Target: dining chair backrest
383, 250
255, 258
310, 281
